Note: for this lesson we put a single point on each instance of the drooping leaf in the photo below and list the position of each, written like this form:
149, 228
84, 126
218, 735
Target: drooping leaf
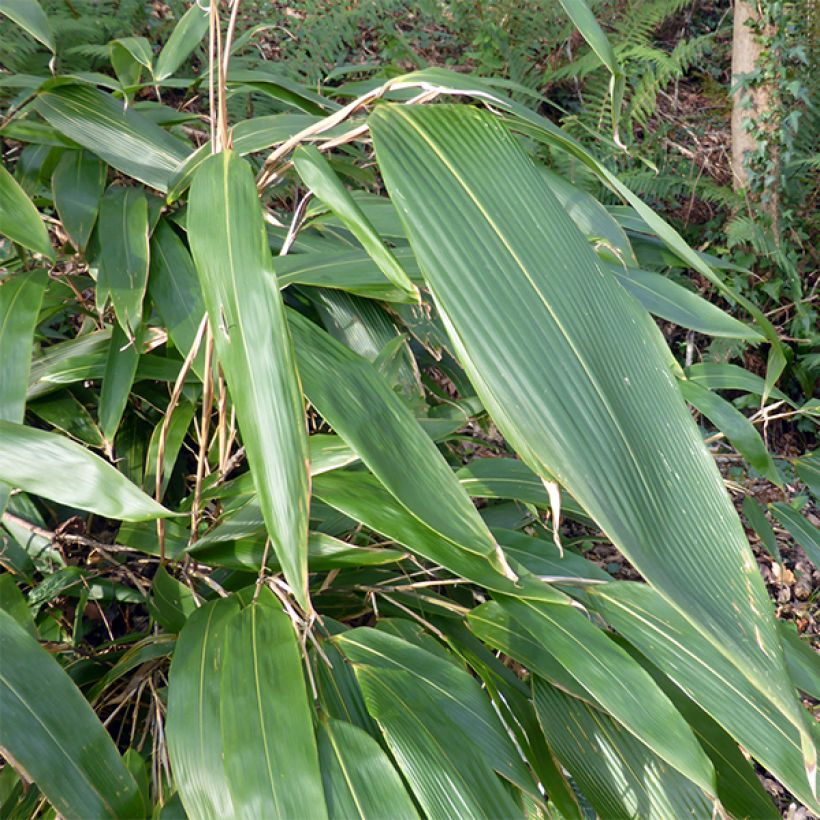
19, 219
562, 646
450, 771
29, 15
77, 185
39, 463
51, 733
193, 724
268, 743
619, 775
124, 256
756, 517
247, 319
120, 369
185, 37
121, 136
317, 173
597, 407
171, 601
686, 656
800, 529
360, 406
359, 778
675, 303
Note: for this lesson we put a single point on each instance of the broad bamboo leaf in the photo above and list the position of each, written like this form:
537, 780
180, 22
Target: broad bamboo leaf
349, 270
13, 602
171, 601
19, 220
664, 298
175, 435
29, 15
808, 471
185, 37
317, 173
687, 657
359, 778
723, 376
756, 517
77, 185
363, 498
268, 743
123, 269
67, 414
174, 288
798, 526
50, 732
40, 463
283, 88
120, 370
734, 425
620, 776
592, 218
20, 298
247, 318
193, 724
448, 755
360, 406
597, 407
561, 645
803, 661
121, 136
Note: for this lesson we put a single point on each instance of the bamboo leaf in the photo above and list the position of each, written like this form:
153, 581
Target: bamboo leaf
120, 370
267, 733
77, 185
95, 485
562, 646
615, 772
317, 173
50, 732
448, 754
247, 318
29, 15
597, 407
359, 778
360, 406
193, 724
798, 526
687, 657
121, 136
185, 37
19, 219
124, 255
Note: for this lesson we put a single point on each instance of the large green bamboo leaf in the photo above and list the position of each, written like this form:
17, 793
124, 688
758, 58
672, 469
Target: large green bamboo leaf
317, 173
686, 656
440, 728
49, 731
185, 37
77, 184
267, 733
19, 220
350, 270
734, 425
20, 300
561, 645
123, 263
120, 370
361, 407
230, 250
359, 778
121, 136
61, 470
615, 772
361, 496
29, 15
193, 724
572, 372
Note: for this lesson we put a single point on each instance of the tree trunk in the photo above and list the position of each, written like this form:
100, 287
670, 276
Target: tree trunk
746, 105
